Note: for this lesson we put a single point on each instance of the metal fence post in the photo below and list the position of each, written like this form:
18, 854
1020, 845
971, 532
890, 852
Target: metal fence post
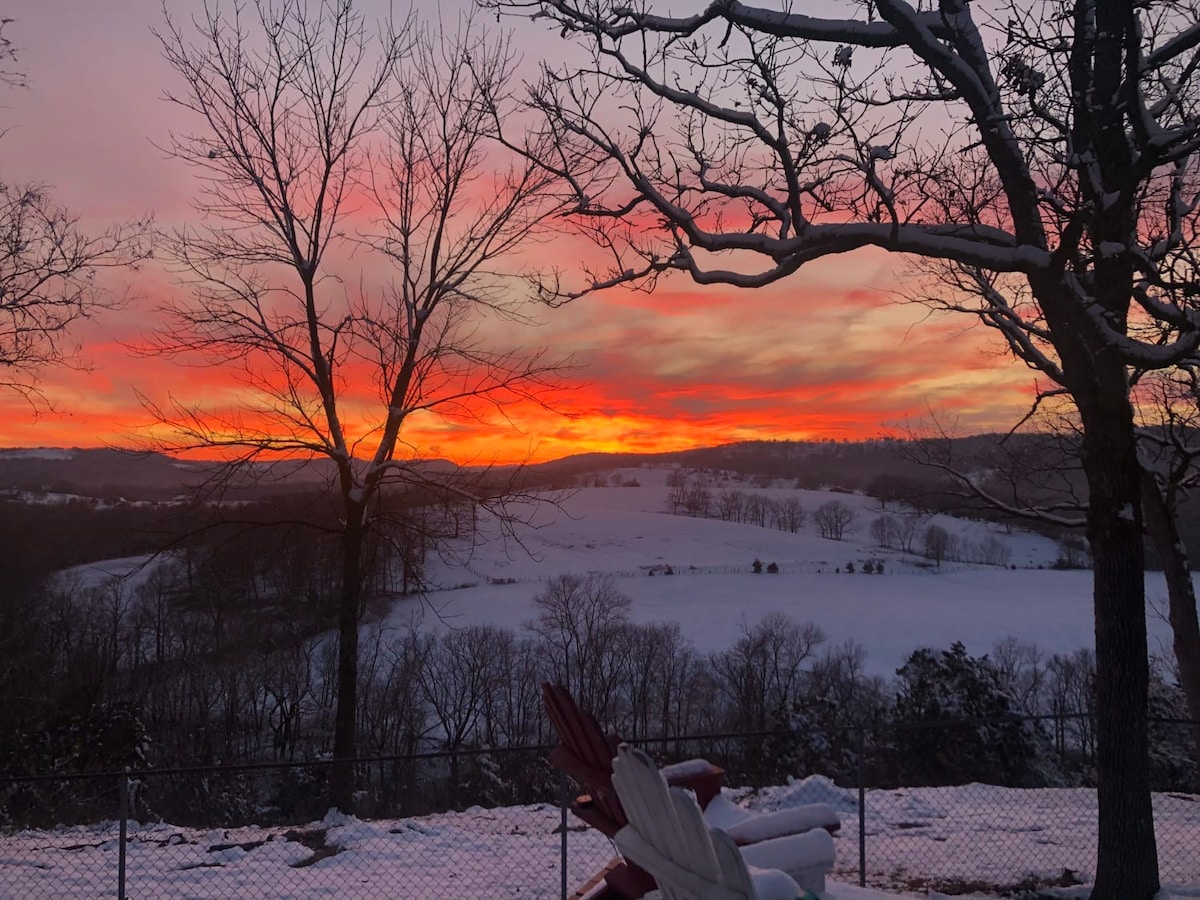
562, 803
862, 809
123, 812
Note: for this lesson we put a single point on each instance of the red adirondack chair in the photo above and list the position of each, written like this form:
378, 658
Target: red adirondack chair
586, 754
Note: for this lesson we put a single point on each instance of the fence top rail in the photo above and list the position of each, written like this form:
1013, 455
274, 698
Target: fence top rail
709, 737
217, 768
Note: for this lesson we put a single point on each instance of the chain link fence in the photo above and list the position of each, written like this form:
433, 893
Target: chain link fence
472, 824
493, 823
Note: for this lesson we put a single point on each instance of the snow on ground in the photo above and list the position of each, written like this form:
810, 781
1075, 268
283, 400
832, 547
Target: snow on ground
982, 833
916, 838
47, 498
627, 532
127, 572
55, 453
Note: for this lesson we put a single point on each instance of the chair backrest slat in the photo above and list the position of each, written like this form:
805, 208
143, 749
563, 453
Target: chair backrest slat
670, 838
584, 739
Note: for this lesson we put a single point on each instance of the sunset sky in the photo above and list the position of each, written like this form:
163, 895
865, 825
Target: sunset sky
828, 353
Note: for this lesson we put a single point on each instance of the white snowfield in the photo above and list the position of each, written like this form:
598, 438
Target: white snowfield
712, 592
627, 532
916, 838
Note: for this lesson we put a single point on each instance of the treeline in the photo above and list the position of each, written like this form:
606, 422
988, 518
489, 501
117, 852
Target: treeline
906, 527
192, 657
36, 539
194, 667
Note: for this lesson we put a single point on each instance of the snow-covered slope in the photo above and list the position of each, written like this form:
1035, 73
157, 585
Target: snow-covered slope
627, 532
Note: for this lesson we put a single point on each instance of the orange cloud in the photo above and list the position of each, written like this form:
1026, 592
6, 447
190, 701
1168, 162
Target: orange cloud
822, 356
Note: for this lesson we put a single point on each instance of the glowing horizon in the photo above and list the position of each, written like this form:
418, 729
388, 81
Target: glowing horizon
671, 371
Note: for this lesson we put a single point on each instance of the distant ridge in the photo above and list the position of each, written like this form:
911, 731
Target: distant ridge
141, 475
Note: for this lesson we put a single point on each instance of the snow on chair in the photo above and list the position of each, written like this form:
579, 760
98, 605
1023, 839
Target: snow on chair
668, 837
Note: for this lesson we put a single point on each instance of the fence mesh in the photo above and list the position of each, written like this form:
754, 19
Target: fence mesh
489, 823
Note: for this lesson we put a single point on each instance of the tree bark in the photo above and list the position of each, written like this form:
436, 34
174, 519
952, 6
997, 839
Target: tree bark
345, 724
1127, 864
1161, 524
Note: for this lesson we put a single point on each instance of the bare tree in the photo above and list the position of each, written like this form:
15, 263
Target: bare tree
1022, 670
1061, 183
884, 530
834, 519
754, 510
49, 270
309, 125
9, 75
456, 683
764, 670
678, 482
581, 621
1170, 454
698, 501
730, 503
791, 514
939, 543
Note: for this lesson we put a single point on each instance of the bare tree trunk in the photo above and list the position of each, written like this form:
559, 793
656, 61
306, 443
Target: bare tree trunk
341, 784
1162, 525
1127, 866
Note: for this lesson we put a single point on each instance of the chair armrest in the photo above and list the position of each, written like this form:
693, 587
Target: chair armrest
797, 820
774, 884
696, 775
796, 854
637, 849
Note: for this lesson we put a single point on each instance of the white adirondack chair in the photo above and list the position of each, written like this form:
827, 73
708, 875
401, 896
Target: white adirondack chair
668, 837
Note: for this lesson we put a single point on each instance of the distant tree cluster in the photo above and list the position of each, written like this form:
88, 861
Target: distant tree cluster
689, 493
902, 531
1073, 553
896, 531
834, 520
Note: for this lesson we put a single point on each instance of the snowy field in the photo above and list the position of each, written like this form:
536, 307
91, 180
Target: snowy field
628, 533
918, 841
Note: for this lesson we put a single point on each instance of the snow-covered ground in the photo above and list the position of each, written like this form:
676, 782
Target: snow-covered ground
54, 453
918, 840
627, 532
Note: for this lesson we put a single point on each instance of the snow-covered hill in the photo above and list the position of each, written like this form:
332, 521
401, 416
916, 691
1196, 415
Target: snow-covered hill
628, 532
